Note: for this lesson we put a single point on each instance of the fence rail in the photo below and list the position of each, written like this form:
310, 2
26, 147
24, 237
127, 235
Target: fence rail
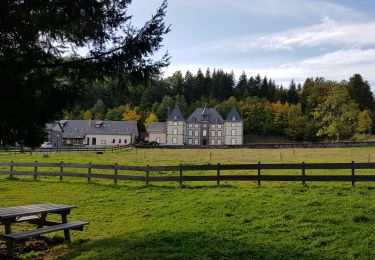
62, 169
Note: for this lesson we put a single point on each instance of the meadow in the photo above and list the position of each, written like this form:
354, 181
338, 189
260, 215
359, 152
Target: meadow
237, 220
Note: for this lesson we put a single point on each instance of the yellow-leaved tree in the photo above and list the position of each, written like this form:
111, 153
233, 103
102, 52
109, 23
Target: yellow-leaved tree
150, 119
131, 115
87, 115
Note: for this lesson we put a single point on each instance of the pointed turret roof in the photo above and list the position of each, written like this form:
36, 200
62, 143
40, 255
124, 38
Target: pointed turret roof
176, 114
233, 115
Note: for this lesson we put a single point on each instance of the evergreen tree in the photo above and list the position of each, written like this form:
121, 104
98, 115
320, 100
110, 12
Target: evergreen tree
360, 91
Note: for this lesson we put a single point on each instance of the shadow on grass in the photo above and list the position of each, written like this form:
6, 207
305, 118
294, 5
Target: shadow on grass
185, 245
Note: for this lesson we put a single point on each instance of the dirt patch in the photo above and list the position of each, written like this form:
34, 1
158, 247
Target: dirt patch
35, 244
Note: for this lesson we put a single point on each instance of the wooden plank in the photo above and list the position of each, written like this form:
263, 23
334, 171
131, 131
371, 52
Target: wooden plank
41, 231
102, 166
75, 165
4, 164
19, 211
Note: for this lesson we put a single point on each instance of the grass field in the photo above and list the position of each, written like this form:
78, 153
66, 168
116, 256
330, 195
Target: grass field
236, 220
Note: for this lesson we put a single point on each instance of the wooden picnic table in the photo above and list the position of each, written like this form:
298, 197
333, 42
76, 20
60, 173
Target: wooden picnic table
36, 214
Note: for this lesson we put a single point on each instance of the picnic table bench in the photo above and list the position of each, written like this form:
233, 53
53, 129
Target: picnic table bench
36, 214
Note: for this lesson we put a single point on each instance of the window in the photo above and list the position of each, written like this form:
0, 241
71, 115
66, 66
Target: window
119, 141
218, 141
190, 125
88, 140
175, 123
93, 141
196, 141
113, 141
233, 124
204, 125
196, 133
196, 125
174, 131
174, 140
103, 142
125, 141
213, 133
194, 119
190, 132
175, 118
233, 140
220, 126
234, 118
204, 132
212, 141
213, 126
158, 139
190, 141
219, 133
233, 132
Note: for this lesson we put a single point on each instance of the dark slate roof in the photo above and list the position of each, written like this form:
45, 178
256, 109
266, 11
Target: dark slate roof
205, 114
157, 127
176, 115
233, 115
80, 128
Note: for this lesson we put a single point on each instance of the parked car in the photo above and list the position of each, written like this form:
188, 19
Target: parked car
46, 145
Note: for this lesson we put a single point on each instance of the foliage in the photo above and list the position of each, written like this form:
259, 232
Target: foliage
337, 115
41, 68
364, 122
87, 115
131, 115
295, 128
150, 119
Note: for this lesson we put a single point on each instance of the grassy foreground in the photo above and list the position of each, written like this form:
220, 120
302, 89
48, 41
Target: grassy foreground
236, 220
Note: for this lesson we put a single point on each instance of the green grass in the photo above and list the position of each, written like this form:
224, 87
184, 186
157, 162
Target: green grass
236, 220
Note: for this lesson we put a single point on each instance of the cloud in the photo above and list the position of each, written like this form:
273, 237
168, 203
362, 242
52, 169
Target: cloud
327, 33
300, 9
336, 65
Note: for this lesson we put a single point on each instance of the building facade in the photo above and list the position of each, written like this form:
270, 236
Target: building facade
92, 133
204, 127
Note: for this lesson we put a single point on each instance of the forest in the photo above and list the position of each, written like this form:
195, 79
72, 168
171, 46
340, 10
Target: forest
317, 110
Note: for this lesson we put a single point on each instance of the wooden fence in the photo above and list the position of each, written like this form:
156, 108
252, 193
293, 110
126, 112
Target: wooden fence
120, 172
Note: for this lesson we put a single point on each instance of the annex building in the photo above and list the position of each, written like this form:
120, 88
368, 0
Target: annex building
205, 126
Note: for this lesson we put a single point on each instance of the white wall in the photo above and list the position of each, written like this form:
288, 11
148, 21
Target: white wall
105, 140
239, 133
162, 136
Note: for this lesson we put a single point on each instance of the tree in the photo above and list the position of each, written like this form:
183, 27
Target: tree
131, 115
364, 122
87, 115
41, 65
295, 127
360, 91
98, 110
337, 115
150, 119
116, 113
166, 106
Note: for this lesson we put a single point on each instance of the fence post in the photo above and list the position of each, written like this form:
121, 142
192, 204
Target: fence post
147, 175
61, 170
353, 177
303, 173
35, 170
11, 170
89, 172
218, 174
180, 174
116, 172
259, 167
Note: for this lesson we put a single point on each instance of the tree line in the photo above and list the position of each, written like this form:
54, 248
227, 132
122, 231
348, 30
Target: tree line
319, 109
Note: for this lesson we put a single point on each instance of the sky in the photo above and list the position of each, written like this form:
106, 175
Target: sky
282, 39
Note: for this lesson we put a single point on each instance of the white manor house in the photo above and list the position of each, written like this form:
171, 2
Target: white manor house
205, 126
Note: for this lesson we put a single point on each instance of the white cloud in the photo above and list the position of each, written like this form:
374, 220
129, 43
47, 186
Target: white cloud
326, 33
337, 65
300, 9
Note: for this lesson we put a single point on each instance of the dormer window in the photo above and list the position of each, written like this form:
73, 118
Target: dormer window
175, 117
194, 119
98, 124
234, 118
216, 119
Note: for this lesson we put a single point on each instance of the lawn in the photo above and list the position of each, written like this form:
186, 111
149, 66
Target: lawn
235, 220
